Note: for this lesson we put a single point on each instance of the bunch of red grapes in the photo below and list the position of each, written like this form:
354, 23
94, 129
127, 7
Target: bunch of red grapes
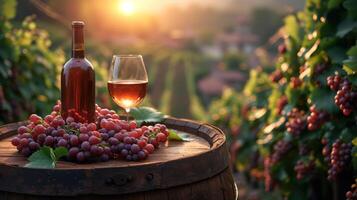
276, 76
316, 118
281, 103
280, 149
295, 82
296, 122
339, 157
106, 139
345, 96
268, 179
352, 194
302, 169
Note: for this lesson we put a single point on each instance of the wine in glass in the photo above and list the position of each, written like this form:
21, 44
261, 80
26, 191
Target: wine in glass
127, 81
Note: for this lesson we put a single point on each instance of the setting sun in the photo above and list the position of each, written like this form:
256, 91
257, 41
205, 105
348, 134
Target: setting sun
126, 7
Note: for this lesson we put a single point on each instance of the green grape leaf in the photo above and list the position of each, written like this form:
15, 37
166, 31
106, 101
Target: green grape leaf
337, 54
351, 6
324, 99
60, 152
345, 27
8, 9
46, 157
350, 64
42, 158
174, 135
333, 4
146, 114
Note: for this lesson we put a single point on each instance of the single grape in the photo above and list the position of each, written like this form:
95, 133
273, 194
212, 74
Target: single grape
62, 143
104, 157
24, 142
35, 118
160, 137
92, 127
94, 140
135, 148
74, 141
142, 143
83, 137
34, 145
80, 157
15, 141
83, 129
113, 141
150, 148
124, 152
23, 129
135, 157
26, 151
85, 146
72, 153
141, 155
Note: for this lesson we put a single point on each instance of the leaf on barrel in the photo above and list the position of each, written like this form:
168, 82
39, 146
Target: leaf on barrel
146, 114
60, 152
43, 158
174, 135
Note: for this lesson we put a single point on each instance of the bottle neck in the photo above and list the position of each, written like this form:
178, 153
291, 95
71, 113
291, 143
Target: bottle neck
78, 42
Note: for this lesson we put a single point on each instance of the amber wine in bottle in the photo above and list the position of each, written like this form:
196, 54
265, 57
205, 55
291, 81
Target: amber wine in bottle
78, 81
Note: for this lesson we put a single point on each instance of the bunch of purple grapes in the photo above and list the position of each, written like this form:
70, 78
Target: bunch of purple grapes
280, 149
316, 118
302, 169
339, 158
345, 96
106, 139
296, 122
352, 194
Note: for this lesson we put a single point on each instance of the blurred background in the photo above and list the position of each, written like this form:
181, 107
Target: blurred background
193, 49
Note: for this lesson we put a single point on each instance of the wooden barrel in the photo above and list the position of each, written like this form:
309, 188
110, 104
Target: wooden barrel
197, 169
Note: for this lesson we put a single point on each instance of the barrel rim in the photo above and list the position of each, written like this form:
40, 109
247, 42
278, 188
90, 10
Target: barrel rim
167, 171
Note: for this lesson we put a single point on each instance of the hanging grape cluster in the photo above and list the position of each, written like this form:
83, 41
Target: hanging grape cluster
339, 157
345, 96
316, 118
296, 122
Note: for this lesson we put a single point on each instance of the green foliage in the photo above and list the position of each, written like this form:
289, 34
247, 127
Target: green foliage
320, 42
46, 157
146, 114
27, 66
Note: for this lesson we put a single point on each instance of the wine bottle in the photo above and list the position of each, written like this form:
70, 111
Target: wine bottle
78, 81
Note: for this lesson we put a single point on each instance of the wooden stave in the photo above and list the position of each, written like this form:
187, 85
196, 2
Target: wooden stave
148, 177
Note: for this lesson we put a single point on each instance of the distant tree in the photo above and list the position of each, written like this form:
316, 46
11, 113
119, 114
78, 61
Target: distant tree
234, 61
264, 22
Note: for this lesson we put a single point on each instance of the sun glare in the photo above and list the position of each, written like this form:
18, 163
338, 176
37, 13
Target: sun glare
126, 7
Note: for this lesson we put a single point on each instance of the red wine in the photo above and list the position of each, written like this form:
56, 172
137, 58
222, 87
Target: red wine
127, 93
78, 81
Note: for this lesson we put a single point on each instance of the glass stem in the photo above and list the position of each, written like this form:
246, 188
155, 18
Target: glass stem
127, 110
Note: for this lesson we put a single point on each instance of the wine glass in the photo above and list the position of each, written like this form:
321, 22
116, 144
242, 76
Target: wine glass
127, 81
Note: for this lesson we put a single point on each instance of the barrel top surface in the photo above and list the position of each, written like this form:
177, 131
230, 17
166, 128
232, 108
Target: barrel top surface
172, 150
173, 164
